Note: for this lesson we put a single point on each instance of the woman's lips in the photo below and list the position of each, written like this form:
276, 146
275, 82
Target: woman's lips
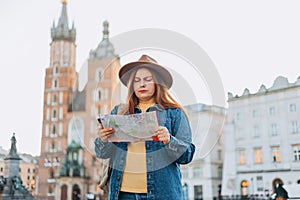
142, 91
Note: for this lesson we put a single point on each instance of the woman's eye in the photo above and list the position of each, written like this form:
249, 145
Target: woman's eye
136, 80
148, 79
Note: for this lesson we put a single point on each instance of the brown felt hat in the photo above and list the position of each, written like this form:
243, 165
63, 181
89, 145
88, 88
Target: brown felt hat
147, 62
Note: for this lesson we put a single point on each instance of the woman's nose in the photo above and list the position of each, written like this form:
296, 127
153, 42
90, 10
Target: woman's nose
142, 83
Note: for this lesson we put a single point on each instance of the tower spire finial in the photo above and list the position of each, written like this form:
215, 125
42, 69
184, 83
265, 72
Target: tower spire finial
105, 29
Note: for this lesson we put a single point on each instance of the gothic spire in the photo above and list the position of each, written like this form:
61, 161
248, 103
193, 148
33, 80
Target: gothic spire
62, 31
63, 19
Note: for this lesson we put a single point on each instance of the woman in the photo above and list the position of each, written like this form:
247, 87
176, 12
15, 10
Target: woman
148, 169
281, 193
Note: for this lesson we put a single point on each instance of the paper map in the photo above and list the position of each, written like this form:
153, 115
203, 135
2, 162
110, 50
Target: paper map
130, 128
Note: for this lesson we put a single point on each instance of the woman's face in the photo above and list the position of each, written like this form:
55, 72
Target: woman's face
143, 85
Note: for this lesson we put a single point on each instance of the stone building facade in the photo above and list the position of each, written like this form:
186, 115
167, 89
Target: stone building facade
262, 140
202, 177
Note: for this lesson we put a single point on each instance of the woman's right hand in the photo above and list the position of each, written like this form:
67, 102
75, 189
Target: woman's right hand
105, 133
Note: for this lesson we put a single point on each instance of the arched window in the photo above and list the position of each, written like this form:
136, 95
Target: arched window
51, 174
99, 95
64, 192
54, 98
54, 114
99, 74
244, 187
55, 70
66, 54
99, 110
76, 192
55, 83
53, 129
53, 146
57, 51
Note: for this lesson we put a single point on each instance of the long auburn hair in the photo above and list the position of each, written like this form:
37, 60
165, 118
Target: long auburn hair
161, 96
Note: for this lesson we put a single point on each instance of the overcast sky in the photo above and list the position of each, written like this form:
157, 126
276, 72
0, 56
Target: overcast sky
249, 42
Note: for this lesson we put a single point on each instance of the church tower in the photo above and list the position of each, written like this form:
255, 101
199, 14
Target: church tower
60, 79
70, 113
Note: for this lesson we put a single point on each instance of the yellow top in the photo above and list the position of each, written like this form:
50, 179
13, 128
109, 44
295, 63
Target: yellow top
135, 172
64, 1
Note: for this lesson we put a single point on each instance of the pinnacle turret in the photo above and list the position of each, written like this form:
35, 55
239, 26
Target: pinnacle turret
105, 48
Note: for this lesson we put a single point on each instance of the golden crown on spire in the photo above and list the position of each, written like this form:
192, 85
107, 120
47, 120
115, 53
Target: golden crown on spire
64, 1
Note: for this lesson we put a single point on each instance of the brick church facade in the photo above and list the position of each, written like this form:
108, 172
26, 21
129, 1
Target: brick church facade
68, 168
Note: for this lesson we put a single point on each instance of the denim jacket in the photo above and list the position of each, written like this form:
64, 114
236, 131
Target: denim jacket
162, 161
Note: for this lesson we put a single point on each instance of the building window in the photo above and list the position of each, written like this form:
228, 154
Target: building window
254, 113
293, 107
296, 152
197, 172
272, 110
242, 157
294, 127
238, 116
61, 112
99, 95
99, 110
53, 129
244, 187
51, 173
260, 183
256, 133
66, 54
48, 98
198, 192
57, 49
56, 70
99, 75
55, 83
60, 129
240, 135
219, 154
61, 97
185, 173
46, 146
28, 170
46, 130
274, 131
258, 155
54, 98
54, 115
59, 145
47, 114
53, 147
1, 169
220, 171
276, 154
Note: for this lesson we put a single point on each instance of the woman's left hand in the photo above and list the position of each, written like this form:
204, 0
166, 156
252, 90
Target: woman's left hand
163, 134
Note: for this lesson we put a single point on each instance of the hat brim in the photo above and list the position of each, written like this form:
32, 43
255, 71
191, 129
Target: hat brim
126, 70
